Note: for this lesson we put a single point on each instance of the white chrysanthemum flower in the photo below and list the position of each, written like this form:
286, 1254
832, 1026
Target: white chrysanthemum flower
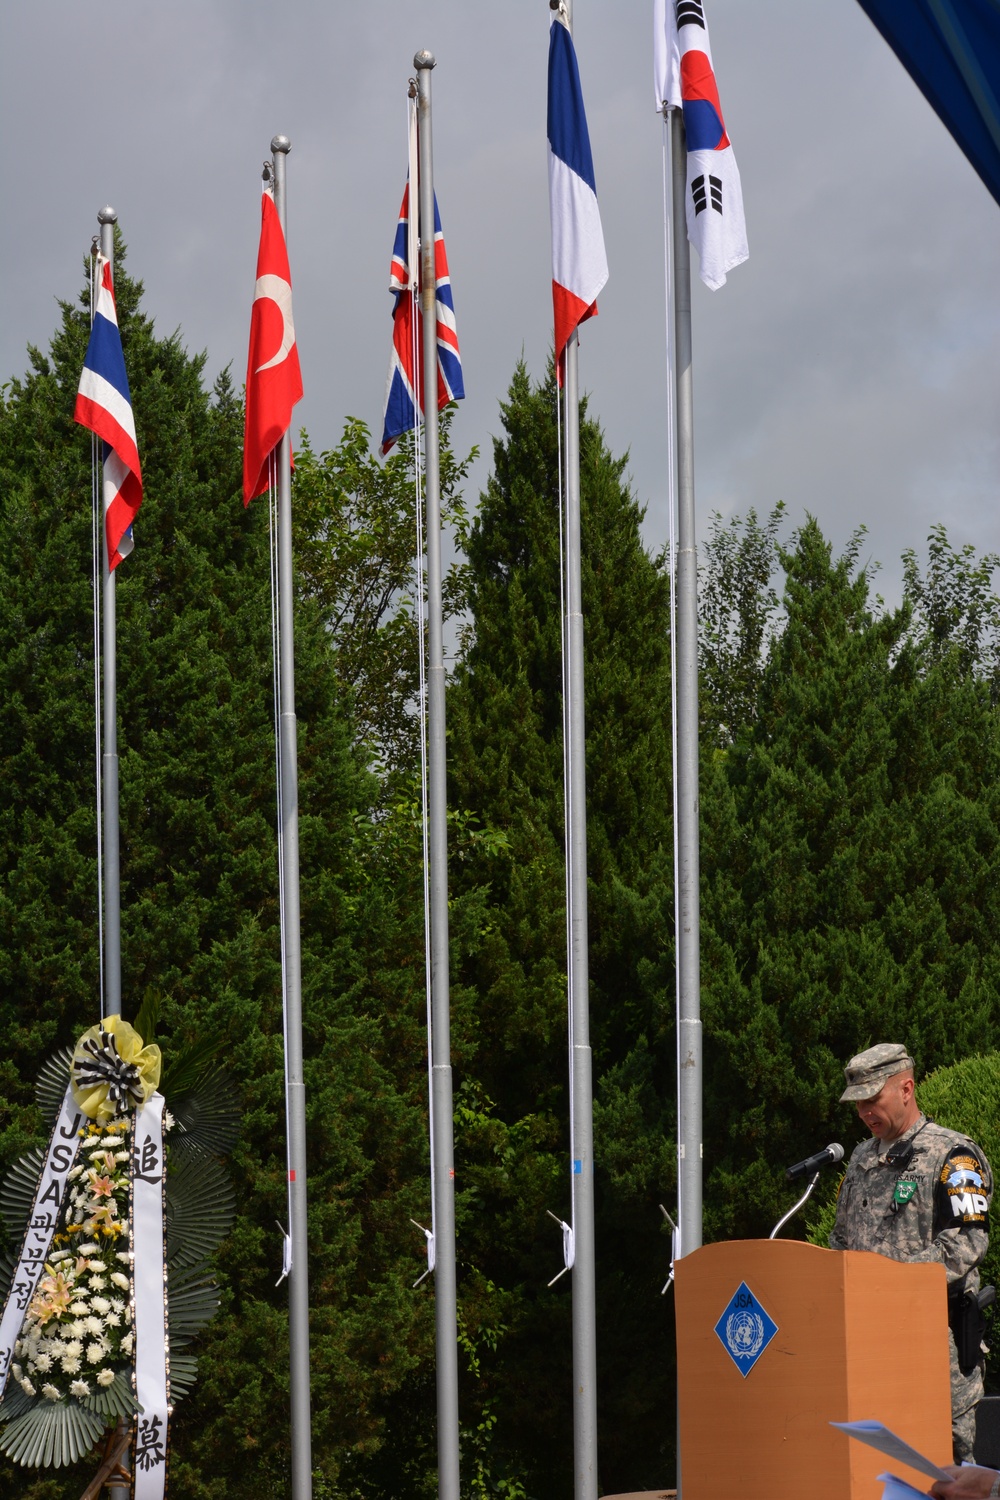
80, 1388
19, 1347
120, 1280
106, 1377
51, 1392
122, 1155
16, 1371
96, 1351
76, 1329
27, 1387
168, 1120
43, 1362
100, 1305
96, 1265
79, 1308
76, 1172
97, 1283
70, 1364
93, 1324
117, 1304
123, 1255
89, 1249
58, 1255
112, 1320
127, 1343
73, 1346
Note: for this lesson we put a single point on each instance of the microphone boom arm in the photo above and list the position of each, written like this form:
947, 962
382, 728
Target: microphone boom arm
795, 1206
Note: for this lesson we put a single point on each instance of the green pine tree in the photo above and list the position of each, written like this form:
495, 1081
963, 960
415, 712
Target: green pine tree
849, 865
199, 894
506, 767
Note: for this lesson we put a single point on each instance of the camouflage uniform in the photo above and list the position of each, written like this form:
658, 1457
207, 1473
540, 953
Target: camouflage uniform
928, 1205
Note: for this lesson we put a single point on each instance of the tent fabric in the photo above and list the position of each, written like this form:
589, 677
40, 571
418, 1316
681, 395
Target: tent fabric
951, 50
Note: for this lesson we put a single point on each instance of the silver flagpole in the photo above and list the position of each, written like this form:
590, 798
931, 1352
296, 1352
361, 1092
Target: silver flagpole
111, 1001
581, 1072
445, 1297
689, 1036
112, 998
298, 1277
581, 1081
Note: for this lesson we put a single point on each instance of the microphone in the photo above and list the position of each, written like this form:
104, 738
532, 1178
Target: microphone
827, 1158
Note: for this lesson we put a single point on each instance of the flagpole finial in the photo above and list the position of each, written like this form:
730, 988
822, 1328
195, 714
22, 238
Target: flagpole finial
424, 59
107, 215
281, 143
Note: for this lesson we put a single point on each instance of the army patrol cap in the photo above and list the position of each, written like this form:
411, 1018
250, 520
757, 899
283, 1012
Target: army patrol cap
867, 1072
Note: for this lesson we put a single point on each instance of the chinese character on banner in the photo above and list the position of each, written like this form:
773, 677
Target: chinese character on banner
149, 1449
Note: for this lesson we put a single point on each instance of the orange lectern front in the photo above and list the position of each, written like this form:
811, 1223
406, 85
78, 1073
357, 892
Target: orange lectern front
776, 1339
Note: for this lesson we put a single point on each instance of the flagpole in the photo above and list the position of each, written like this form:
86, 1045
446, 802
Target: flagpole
111, 1000
298, 1276
112, 997
581, 1082
689, 1029
581, 1069
442, 1135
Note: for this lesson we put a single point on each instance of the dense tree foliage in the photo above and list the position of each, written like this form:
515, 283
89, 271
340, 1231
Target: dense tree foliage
850, 852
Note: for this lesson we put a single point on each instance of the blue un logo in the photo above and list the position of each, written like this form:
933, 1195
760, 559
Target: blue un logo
745, 1329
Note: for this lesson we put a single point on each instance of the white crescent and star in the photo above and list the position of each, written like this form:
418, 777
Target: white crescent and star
277, 290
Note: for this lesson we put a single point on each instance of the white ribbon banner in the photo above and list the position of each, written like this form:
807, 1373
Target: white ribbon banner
149, 1284
59, 1158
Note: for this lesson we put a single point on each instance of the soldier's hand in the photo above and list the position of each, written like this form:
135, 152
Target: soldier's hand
967, 1483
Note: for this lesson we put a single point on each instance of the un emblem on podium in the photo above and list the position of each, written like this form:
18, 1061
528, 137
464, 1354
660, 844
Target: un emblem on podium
745, 1329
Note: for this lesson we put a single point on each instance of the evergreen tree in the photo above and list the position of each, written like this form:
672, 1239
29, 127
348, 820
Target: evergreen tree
850, 860
506, 767
199, 893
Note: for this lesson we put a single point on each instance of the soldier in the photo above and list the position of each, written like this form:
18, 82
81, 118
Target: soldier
918, 1192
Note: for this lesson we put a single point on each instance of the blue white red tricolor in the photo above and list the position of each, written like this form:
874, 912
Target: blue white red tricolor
103, 404
402, 394
274, 379
685, 79
579, 264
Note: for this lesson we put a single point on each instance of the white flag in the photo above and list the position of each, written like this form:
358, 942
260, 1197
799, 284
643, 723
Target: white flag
684, 78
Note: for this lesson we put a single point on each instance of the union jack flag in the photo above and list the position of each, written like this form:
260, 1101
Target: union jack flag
402, 385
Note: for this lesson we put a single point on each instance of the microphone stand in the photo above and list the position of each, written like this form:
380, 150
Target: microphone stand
795, 1206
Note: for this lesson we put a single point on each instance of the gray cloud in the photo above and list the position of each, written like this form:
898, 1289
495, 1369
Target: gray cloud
849, 368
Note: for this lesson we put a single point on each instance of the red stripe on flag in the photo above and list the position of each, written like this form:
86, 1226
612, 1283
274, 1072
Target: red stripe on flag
569, 312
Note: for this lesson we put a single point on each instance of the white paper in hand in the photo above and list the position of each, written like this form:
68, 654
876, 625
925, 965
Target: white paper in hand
877, 1436
898, 1489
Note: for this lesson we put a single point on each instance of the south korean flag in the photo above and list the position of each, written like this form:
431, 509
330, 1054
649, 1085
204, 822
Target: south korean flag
685, 79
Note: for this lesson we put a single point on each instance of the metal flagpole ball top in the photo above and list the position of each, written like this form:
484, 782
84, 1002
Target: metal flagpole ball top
107, 215
424, 59
281, 143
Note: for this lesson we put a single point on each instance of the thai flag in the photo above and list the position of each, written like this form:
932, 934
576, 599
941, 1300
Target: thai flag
103, 404
579, 264
684, 78
402, 395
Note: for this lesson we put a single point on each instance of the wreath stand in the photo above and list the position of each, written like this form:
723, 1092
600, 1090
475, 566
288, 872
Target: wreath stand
112, 1471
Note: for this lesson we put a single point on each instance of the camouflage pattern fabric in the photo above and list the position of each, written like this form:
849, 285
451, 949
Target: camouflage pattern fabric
923, 1198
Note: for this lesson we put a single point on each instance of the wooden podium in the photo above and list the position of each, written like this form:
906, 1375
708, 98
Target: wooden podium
856, 1337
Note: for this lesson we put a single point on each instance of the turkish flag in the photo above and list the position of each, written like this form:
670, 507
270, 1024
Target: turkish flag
274, 380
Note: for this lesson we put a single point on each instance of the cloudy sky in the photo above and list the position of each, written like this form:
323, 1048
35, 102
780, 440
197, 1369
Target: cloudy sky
849, 368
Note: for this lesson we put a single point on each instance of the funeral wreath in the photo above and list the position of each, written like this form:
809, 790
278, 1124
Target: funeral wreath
112, 1226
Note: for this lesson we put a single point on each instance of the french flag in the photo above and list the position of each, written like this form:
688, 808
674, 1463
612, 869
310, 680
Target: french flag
579, 264
104, 405
402, 396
